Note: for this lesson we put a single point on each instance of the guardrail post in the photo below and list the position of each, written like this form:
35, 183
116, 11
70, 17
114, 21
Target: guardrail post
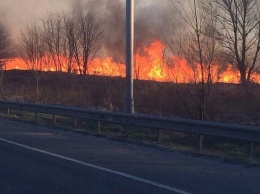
36, 117
126, 131
200, 146
250, 150
159, 136
75, 122
99, 127
21, 114
54, 120
8, 112
258, 120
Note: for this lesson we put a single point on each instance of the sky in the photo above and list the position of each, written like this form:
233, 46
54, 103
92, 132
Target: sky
17, 13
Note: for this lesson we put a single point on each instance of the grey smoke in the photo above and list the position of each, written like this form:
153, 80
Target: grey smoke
150, 21
151, 18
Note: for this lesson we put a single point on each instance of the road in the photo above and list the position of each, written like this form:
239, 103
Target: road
38, 159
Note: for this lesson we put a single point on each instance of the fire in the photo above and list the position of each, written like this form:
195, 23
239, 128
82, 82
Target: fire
16, 63
106, 67
229, 75
149, 64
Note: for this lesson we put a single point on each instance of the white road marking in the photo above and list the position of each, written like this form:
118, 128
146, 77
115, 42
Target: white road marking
98, 167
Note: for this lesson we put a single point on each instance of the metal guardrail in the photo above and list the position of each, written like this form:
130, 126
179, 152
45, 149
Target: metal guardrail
232, 131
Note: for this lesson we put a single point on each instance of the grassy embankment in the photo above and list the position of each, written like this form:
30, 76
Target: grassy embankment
228, 103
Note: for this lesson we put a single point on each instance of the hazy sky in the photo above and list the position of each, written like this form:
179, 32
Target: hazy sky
17, 13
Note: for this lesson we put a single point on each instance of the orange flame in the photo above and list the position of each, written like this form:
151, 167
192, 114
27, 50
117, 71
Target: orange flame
150, 64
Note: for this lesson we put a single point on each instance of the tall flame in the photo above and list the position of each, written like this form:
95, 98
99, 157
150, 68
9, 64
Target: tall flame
149, 64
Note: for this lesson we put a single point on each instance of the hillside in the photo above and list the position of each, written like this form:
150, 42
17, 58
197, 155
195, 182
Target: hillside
227, 102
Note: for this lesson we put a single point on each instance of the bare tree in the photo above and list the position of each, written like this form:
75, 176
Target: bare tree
199, 47
137, 67
5, 45
53, 27
239, 27
71, 42
32, 50
6, 51
90, 31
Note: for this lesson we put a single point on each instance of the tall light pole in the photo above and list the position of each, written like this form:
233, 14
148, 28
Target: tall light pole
129, 99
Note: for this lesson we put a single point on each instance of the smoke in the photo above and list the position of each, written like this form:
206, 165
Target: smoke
151, 18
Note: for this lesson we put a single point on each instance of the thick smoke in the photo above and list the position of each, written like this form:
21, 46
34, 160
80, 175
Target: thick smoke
151, 19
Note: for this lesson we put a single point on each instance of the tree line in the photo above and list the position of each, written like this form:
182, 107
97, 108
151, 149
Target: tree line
214, 32
6, 51
68, 41
211, 31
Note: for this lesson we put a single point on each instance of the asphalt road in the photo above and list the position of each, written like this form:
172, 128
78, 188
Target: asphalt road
37, 159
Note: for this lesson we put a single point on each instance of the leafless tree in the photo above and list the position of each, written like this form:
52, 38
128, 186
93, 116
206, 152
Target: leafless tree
32, 51
6, 50
136, 67
239, 27
69, 34
53, 27
71, 43
198, 45
90, 30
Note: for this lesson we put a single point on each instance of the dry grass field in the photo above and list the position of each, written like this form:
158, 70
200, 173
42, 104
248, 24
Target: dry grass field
227, 103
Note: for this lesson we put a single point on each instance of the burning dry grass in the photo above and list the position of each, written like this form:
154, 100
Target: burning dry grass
150, 63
